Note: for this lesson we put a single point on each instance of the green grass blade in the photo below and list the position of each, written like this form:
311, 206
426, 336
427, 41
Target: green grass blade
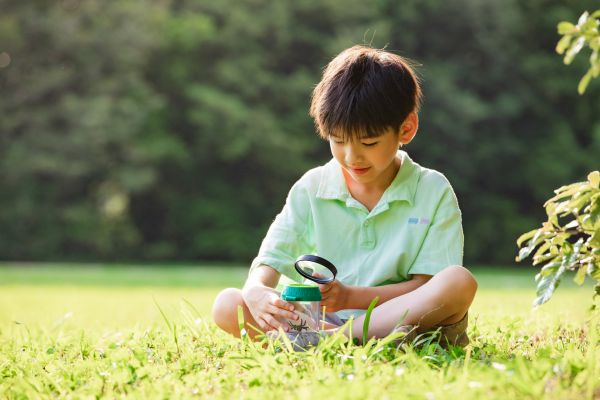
368, 318
172, 327
163, 314
241, 322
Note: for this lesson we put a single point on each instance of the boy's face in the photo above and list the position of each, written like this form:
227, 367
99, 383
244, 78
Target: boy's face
368, 160
372, 161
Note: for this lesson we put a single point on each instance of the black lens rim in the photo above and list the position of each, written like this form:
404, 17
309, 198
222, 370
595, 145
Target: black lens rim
319, 260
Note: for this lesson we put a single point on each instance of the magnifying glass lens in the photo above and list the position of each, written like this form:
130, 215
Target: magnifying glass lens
315, 270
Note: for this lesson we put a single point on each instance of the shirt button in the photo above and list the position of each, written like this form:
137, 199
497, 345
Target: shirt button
366, 223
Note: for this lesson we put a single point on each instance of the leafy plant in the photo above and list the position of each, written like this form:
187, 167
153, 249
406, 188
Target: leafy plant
575, 37
569, 240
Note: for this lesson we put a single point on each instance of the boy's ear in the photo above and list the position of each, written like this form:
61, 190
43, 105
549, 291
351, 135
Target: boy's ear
409, 128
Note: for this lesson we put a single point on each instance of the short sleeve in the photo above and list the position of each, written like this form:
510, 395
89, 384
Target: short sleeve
289, 236
444, 242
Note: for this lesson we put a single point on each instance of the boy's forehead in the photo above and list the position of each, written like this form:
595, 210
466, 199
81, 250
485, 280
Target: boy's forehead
357, 133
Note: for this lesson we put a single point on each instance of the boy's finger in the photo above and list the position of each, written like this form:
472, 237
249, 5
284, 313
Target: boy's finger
283, 304
269, 319
262, 324
324, 288
283, 313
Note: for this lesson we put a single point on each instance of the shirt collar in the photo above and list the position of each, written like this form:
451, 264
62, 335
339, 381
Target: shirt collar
333, 187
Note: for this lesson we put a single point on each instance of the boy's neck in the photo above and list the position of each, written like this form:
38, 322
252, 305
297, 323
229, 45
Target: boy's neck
371, 192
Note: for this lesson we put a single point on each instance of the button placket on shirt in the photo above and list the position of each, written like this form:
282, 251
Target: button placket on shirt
367, 234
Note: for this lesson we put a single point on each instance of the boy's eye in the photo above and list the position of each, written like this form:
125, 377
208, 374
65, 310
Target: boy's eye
370, 144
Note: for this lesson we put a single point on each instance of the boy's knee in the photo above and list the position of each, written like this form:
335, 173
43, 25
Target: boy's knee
464, 273
225, 306
461, 280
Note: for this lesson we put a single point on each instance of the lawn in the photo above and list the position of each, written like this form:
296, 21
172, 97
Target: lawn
94, 331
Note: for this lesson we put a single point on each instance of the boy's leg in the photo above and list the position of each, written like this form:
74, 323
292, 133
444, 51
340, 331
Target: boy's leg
443, 300
225, 313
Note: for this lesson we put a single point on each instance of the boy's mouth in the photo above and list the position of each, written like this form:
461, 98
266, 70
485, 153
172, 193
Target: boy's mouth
359, 171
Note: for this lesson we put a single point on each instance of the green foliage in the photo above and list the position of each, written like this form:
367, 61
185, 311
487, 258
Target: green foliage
569, 240
174, 129
575, 38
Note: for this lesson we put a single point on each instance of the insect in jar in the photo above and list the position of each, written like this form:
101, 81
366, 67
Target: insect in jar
300, 327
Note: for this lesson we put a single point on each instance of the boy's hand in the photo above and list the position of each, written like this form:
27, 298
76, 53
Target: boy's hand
335, 296
267, 308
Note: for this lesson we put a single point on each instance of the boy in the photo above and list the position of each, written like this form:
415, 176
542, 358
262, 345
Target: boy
391, 227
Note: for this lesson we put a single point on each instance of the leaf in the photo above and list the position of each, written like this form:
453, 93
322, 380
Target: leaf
584, 82
588, 26
531, 245
562, 207
525, 236
548, 269
559, 240
574, 50
578, 201
550, 208
547, 285
583, 18
572, 225
542, 249
566, 191
585, 221
567, 249
595, 211
563, 43
572, 257
594, 179
567, 187
544, 258
595, 239
580, 276
565, 27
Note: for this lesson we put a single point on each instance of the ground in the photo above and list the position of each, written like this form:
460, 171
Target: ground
72, 330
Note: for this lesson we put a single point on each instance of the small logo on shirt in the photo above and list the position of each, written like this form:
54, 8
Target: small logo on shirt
415, 221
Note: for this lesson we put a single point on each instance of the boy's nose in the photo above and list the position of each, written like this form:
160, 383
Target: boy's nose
353, 154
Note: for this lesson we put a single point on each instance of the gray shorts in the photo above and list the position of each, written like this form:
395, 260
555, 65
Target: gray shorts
334, 319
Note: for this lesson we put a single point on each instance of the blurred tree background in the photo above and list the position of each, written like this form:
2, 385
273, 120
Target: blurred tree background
173, 129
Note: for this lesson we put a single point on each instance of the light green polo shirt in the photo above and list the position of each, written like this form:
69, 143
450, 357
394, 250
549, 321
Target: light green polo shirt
415, 228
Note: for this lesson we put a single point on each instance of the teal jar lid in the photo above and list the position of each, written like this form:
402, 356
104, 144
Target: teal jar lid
300, 292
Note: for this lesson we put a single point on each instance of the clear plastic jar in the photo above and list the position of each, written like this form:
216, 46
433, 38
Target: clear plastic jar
307, 305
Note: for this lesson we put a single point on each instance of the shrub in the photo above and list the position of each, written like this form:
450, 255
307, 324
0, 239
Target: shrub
569, 240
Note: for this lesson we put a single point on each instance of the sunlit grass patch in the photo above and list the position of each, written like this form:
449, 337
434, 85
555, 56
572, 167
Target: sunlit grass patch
111, 341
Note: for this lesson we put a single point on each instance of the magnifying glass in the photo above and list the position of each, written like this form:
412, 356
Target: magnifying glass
315, 268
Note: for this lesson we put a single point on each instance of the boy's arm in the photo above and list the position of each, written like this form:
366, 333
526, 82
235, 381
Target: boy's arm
337, 296
360, 297
263, 275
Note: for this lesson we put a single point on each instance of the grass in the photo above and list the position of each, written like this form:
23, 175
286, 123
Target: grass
95, 331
